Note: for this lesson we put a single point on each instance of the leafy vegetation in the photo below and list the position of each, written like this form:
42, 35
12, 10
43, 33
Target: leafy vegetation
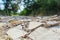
43, 7
32, 7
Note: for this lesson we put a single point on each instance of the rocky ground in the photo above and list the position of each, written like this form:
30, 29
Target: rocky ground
30, 28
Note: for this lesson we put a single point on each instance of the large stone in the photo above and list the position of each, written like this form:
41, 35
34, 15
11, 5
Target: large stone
49, 24
19, 27
15, 33
33, 24
52, 22
45, 34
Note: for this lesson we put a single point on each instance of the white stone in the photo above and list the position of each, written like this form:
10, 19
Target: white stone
19, 27
33, 24
15, 33
45, 34
52, 22
17, 39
